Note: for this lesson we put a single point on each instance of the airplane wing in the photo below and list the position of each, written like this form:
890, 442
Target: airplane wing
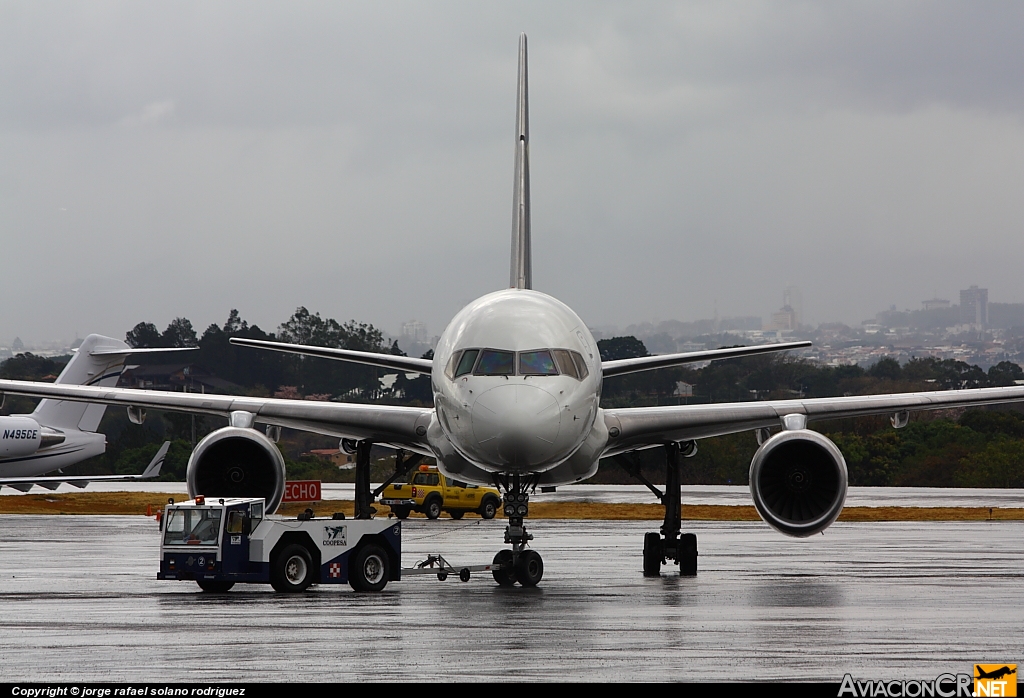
648, 363
51, 482
635, 427
397, 363
401, 426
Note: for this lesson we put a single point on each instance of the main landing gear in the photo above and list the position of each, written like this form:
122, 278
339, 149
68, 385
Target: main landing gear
518, 564
669, 544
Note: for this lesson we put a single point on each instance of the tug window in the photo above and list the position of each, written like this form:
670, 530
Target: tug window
466, 362
199, 526
236, 521
495, 363
536, 363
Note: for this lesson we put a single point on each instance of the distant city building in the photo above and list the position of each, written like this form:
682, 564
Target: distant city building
974, 306
683, 389
414, 331
785, 319
333, 455
935, 304
793, 299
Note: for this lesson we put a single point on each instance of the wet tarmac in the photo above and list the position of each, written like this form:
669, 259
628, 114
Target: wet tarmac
79, 601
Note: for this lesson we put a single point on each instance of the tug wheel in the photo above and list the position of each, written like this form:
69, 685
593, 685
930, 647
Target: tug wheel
291, 571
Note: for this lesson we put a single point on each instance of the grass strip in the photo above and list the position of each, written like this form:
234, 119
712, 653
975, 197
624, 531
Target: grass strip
137, 503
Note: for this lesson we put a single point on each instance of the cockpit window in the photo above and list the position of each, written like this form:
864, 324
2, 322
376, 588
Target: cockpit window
565, 365
581, 365
452, 364
495, 363
466, 362
536, 363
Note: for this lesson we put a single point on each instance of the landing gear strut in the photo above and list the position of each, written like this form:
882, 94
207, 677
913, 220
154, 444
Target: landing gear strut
518, 564
364, 500
670, 544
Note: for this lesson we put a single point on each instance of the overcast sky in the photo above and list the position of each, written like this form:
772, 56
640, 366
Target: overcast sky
182, 159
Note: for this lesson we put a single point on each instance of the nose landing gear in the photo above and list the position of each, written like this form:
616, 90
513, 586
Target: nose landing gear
518, 564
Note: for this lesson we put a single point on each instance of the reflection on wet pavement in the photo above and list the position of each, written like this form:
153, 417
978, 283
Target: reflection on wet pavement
905, 600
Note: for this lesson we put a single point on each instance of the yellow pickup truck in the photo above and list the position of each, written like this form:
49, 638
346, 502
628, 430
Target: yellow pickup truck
429, 492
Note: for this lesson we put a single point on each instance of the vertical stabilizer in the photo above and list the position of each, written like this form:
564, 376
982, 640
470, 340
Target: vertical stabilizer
86, 367
522, 271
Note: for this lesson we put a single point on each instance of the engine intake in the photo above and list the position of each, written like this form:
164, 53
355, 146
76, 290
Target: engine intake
798, 482
237, 462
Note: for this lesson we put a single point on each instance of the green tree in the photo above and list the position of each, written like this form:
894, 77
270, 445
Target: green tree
179, 333
143, 335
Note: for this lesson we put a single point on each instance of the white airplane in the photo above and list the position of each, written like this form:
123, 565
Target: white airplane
60, 433
516, 379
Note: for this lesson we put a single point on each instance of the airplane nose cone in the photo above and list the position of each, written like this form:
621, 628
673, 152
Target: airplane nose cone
517, 425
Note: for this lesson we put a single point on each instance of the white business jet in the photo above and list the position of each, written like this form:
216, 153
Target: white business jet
516, 379
59, 433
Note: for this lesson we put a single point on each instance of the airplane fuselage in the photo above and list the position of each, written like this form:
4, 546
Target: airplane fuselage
49, 450
516, 383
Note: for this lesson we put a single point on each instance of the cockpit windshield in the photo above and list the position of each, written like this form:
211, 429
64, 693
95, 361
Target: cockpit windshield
536, 363
496, 363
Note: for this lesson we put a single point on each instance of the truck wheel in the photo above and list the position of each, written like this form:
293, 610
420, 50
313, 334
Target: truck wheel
488, 508
457, 514
369, 569
292, 570
214, 586
432, 507
401, 512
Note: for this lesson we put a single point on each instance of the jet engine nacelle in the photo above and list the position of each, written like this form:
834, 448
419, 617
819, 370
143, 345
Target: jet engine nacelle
237, 462
19, 436
798, 482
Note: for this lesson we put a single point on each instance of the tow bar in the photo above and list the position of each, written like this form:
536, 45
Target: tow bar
436, 564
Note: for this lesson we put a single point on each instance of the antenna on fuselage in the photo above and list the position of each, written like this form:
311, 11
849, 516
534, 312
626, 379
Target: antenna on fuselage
522, 271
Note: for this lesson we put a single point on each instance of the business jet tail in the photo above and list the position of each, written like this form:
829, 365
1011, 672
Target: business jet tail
522, 267
98, 361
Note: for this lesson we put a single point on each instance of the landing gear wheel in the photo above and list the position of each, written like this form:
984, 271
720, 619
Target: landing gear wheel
688, 555
213, 586
489, 509
369, 569
432, 507
457, 514
529, 568
503, 572
291, 571
652, 555
400, 512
